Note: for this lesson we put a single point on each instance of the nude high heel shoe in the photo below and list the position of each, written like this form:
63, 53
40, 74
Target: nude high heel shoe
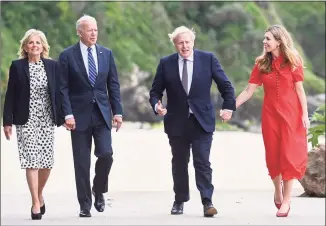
278, 214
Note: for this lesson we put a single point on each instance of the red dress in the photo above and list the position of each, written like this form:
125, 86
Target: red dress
285, 138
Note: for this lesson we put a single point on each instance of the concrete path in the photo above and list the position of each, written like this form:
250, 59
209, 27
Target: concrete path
140, 187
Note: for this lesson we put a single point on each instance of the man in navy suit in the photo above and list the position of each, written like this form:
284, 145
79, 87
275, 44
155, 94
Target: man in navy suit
189, 117
90, 93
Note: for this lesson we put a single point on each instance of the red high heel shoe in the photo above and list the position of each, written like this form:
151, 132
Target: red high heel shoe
278, 214
278, 205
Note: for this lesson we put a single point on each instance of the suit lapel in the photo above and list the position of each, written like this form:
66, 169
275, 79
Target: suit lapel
195, 69
80, 61
26, 68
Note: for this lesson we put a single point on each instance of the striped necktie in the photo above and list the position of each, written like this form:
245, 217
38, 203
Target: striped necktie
91, 67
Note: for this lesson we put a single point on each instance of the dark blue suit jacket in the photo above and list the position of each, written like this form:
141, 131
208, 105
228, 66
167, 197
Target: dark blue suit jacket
77, 92
206, 69
16, 106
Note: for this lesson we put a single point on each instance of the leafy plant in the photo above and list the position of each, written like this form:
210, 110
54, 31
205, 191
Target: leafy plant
319, 129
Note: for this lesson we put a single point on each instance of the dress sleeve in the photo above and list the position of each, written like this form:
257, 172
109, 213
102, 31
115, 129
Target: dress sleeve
255, 77
297, 74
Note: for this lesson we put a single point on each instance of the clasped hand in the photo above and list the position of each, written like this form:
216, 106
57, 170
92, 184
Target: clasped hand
226, 115
160, 109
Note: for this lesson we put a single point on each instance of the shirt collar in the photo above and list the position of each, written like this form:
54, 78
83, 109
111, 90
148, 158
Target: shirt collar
190, 58
84, 47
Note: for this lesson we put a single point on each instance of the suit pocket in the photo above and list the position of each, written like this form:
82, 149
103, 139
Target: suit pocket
209, 106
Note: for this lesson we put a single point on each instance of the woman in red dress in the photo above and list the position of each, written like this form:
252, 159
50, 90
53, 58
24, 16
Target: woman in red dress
284, 113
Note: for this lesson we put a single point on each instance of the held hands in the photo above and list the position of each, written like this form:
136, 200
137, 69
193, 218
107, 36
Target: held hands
225, 115
70, 124
8, 132
160, 109
117, 122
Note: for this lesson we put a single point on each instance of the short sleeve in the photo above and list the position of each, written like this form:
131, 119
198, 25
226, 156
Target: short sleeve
255, 77
297, 74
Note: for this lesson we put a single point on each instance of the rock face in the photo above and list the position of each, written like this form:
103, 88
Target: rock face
135, 96
314, 102
314, 180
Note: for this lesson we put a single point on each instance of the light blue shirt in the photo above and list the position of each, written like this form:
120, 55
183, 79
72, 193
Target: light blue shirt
84, 52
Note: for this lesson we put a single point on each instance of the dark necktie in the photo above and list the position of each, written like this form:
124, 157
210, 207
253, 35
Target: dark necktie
185, 76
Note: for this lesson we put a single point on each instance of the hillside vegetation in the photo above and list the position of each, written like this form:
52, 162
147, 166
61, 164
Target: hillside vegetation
137, 32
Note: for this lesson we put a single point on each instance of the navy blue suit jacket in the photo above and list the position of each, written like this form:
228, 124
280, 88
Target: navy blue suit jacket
16, 106
77, 92
206, 69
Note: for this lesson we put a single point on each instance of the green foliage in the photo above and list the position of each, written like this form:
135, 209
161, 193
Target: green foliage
219, 126
306, 21
137, 32
319, 129
222, 126
259, 18
157, 125
313, 84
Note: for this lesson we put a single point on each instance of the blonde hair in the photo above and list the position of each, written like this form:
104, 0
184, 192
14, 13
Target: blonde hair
180, 30
291, 55
83, 19
31, 32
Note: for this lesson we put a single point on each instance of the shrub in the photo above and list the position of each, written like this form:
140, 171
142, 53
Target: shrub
317, 130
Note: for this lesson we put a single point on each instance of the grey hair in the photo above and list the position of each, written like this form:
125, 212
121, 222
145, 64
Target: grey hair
180, 30
84, 18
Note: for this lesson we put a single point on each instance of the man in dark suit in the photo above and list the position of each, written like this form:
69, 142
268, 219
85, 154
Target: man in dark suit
189, 117
90, 91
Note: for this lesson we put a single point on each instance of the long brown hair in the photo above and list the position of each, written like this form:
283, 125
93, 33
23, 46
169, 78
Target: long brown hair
291, 55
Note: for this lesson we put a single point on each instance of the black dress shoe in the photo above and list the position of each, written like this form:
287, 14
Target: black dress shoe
85, 213
177, 208
43, 209
99, 202
35, 216
209, 210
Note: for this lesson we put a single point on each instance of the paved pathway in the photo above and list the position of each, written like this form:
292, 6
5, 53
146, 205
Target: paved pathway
140, 187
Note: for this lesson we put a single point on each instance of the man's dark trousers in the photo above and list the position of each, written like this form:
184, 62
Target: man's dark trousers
82, 143
200, 141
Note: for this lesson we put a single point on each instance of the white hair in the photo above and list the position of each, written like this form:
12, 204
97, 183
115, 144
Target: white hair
180, 30
83, 19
